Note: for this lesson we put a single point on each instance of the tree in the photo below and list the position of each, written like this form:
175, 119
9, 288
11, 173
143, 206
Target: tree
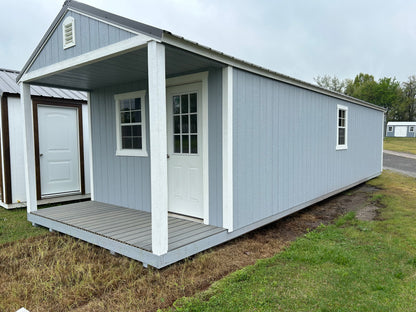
409, 94
385, 92
363, 87
330, 83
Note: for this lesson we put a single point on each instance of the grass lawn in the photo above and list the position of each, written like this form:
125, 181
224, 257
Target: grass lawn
405, 145
14, 226
350, 265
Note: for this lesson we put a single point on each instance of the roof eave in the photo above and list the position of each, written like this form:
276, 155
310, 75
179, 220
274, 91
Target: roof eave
43, 40
194, 47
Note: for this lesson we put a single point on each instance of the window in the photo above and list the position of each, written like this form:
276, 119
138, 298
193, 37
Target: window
390, 129
68, 31
411, 129
131, 124
342, 127
185, 124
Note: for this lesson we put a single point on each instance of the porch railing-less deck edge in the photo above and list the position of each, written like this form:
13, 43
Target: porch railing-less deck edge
128, 232
173, 255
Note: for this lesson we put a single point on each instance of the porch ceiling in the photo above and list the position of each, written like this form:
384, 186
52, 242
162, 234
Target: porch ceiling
124, 68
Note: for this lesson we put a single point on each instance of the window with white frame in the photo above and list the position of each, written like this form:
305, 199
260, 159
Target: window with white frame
411, 129
390, 129
342, 127
68, 32
131, 124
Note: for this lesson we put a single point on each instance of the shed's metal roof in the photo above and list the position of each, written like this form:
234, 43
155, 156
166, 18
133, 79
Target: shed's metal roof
401, 123
175, 40
8, 85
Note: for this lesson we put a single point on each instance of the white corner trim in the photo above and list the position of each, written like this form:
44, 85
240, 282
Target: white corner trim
343, 146
29, 147
100, 54
158, 147
202, 78
131, 152
90, 148
205, 147
227, 147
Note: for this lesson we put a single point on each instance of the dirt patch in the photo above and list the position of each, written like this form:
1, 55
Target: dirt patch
57, 272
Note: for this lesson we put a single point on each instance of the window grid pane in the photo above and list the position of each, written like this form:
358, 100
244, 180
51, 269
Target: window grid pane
185, 122
131, 123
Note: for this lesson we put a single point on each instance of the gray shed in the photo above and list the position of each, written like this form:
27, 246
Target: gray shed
401, 129
191, 147
61, 172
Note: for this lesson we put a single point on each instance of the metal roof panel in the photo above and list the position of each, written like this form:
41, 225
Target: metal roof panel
8, 84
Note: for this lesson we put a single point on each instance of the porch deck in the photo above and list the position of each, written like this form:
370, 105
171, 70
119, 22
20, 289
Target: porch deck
128, 231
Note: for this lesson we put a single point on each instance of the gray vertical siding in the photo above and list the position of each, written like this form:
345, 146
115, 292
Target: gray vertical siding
118, 180
125, 181
284, 146
90, 35
215, 146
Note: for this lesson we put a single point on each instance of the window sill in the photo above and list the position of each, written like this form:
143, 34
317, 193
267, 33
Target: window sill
341, 147
136, 153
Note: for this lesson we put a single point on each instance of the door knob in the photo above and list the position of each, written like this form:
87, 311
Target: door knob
40, 155
168, 156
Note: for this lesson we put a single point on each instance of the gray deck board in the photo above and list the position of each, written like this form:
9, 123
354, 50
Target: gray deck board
124, 225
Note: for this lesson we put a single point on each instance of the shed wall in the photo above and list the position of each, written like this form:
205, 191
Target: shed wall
284, 146
409, 134
94, 35
17, 163
118, 180
16, 150
125, 181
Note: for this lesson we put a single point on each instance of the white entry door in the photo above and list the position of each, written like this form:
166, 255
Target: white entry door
58, 149
400, 131
184, 131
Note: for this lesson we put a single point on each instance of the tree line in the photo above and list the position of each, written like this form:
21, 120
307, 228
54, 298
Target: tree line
398, 98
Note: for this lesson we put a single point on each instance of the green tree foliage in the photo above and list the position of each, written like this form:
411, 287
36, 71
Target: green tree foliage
409, 92
330, 83
399, 99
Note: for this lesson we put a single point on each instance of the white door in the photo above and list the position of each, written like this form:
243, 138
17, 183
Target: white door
184, 131
58, 149
400, 131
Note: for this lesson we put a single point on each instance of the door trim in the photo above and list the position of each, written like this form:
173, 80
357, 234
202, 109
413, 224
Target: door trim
203, 79
36, 101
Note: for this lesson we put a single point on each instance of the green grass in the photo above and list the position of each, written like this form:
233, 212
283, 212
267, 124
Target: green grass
350, 265
14, 226
405, 145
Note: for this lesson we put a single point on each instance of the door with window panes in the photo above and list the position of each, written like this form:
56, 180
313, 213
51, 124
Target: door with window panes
184, 131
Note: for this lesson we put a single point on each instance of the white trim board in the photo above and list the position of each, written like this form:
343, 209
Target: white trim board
112, 50
227, 148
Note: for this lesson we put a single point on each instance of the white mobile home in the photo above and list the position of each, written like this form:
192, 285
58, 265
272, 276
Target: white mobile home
191, 147
401, 129
60, 118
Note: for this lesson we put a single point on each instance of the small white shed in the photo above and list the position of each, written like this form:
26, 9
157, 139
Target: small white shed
401, 129
60, 121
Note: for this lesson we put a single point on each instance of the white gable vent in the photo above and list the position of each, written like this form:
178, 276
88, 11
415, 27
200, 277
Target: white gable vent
68, 30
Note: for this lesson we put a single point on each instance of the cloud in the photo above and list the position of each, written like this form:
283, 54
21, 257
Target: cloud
299, 38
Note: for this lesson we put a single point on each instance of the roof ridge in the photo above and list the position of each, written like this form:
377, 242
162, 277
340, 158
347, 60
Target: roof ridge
9, 70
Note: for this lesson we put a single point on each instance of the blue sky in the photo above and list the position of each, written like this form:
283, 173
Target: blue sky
299, 38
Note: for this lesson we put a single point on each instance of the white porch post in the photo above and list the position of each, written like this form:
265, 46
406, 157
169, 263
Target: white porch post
158, 150
227, 148
29, 147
